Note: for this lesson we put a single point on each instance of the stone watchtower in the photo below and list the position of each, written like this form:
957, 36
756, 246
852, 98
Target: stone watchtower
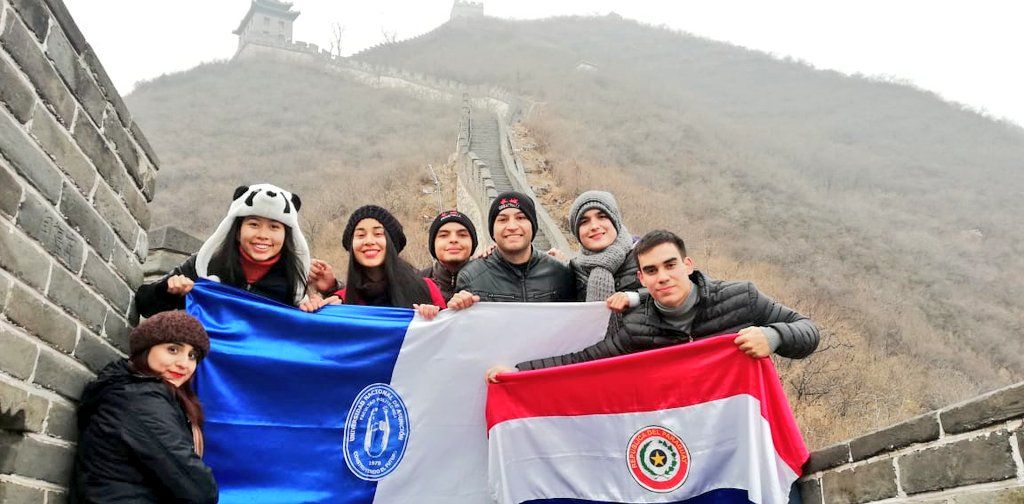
467, 10
267, 22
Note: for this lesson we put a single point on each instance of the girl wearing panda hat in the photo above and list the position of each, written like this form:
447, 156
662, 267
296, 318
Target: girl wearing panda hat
257, 247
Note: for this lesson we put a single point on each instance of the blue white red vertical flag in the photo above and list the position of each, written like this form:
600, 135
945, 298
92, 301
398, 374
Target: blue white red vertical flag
693, 423
361, 404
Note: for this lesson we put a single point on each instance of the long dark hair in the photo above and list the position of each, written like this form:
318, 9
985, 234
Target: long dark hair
185, 394
226, 262
405, 286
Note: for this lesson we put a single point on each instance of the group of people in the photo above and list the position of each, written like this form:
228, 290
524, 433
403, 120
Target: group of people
141, 423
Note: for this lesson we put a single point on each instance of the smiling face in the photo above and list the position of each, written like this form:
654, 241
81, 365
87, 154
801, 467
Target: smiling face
666, 274
261, 238
453, 244
369, 243
513, 231
174, 362
596, 230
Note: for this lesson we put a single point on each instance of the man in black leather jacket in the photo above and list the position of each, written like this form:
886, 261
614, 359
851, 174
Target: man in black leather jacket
685, 305
515, 272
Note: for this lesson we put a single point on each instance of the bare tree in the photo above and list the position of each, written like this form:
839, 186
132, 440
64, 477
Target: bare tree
337, 33
390, 37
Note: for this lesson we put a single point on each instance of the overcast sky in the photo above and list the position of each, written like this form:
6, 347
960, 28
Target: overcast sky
966, 51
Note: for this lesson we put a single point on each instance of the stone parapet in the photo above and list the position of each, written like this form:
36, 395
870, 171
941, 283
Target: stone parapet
76, 176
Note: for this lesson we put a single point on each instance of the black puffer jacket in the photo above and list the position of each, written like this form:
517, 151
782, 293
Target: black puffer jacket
625, 277
135, 443
722, 308
495, 279
153, 298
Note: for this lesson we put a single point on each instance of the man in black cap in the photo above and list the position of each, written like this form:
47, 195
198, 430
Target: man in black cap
452, 242
515, 272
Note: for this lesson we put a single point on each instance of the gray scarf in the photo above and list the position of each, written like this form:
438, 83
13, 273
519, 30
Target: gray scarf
597, 269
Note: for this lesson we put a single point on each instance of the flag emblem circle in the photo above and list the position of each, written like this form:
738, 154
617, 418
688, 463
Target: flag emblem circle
376, 432
657, 459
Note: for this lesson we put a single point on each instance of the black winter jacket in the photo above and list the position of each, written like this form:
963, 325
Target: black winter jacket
442, 277
495, 279
723, 307
153, 298
135, 443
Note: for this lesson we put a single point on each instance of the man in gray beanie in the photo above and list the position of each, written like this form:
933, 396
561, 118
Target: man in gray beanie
606, 264
516, 271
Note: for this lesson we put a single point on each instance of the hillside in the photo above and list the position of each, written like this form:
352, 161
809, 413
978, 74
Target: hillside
335, 143
895, 208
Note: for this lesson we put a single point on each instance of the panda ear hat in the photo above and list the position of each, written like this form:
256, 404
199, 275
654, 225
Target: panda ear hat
261, 200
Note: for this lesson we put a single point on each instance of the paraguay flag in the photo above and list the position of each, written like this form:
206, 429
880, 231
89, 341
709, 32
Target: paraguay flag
359, 404
694, 423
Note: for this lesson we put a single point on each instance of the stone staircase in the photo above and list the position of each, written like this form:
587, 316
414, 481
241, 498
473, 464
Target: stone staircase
485, 141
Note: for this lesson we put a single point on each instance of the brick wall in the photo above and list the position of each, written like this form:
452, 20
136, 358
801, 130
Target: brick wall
76, 174
966, 453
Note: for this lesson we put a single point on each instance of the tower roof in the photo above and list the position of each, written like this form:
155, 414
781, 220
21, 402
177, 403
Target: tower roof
273, 8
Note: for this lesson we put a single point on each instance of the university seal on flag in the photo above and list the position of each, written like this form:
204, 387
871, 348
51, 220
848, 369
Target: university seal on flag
376, 432
657, 459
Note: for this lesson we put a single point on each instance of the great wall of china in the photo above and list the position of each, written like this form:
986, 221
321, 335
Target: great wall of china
76, 176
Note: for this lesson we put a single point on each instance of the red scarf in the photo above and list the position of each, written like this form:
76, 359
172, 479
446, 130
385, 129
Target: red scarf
255, 270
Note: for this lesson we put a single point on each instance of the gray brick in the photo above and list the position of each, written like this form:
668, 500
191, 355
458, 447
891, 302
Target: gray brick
137, 204
116, 330
23, 259
61, 422
976, 460
54, 497
64, 58
143, 142
127, 266
142, 246
1002, 496
149, 184
827, 458
917, 430
116, 133
60, 12
61, 374
13, 493
26, 52
97, 274
71, 294
27, 159
160, 262
57, 143
19, 355
5, 288
95, 148
174, 239
109, 206
41, 222
869, 482
93, 353
991, 408
21, 411
41, 319
83, 217
35, 16
810, 491
88, 93
107, 85
14, 92
10, 192
30, 457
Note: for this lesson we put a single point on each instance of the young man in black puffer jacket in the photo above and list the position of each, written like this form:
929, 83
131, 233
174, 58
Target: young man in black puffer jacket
686, 305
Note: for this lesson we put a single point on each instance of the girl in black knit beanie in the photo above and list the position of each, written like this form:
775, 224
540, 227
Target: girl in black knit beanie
377, 276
